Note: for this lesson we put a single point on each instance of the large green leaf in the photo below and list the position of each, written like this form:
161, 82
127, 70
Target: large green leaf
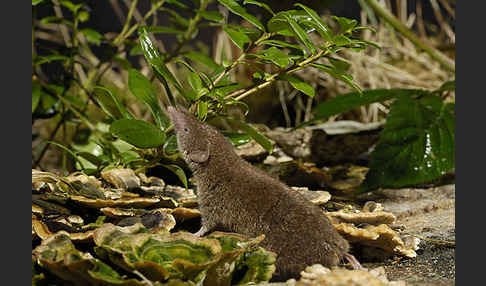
139, 133
255, 134
276, 56
235, 8
260, 4
153, 57
142, 88
239, 38
417, 144
202, 59
178, 171
321, 27
110, 104
299, 84
279, 22
300, 33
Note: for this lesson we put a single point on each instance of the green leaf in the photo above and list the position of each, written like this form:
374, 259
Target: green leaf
110, 104
338, 73
142, 88
350, 101
211, 15
282, 44
35, 2
178, 171
170, 145
276, 56
202, 110
260, 4
152, 56
301, 34
39, 60
139, 133
92, 36
253, 133
73, 7
83, 16
198, 57
417, 144
162, 30
346, 25
70, 152
36, 94
240, 39
235, 8
55, 20
321, 27
237, 138
194, 81
299, 84
279, 23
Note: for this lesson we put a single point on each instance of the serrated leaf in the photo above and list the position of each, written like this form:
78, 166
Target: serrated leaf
142, 88
417, 144
253, 133
235, 8
139, 133
321, 27
240, 39
36, 94
299, 84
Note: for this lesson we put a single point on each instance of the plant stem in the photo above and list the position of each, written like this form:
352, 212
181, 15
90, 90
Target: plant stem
242, 93
242, 56
409, 34
121, 36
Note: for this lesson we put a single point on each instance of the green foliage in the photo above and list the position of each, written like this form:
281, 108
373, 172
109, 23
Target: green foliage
203, 83
417, 144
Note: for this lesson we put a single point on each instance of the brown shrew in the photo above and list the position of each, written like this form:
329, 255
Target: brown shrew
235, 196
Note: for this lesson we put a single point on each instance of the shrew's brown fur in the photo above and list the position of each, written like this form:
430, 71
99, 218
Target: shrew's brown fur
238, 197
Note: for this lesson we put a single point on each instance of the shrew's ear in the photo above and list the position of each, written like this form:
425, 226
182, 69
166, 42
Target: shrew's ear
199, 156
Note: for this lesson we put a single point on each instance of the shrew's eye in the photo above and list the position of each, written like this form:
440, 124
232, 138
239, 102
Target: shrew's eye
185, 129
